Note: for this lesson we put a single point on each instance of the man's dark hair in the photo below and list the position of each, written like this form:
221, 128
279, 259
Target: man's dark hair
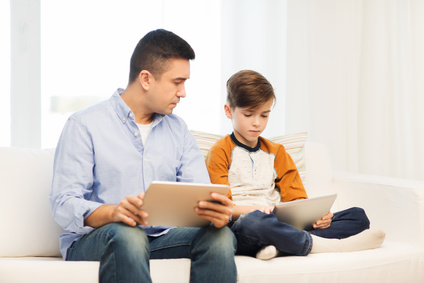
248, 89
155, 49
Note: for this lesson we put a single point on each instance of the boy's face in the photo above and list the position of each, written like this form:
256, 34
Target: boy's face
248, 123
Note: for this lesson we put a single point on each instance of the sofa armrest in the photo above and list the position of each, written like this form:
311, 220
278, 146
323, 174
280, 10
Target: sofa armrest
392, 204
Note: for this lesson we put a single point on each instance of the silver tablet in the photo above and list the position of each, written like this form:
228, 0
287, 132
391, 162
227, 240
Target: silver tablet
305, 212
173, 203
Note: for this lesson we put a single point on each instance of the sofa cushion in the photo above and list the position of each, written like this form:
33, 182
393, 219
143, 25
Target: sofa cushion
295, 146
394, 262
27, 226
293, 143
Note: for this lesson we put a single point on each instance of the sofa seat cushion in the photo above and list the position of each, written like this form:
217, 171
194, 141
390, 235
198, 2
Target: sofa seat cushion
54, 269
393, 262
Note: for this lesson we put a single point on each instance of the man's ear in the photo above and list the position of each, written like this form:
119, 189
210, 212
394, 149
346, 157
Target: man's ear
145, 79
227, 109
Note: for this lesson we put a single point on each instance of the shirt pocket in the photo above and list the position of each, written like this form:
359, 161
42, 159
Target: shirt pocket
168, 169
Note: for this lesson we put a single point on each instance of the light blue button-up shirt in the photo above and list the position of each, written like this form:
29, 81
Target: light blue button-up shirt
100, 159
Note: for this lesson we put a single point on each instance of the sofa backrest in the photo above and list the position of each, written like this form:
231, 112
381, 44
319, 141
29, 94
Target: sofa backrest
319, 174
27, 225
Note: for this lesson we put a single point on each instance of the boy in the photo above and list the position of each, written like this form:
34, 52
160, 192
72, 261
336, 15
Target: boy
261, 174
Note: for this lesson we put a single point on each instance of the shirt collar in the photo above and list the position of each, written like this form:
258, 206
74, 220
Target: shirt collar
124, 112
248, 148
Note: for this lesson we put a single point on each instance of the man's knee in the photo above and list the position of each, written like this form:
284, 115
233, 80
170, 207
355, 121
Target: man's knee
221, 239
127, 239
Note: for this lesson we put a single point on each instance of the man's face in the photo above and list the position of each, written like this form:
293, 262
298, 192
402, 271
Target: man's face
248, 123
167, 90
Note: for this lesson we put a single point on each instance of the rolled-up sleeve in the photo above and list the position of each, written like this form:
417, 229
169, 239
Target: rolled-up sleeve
73, 178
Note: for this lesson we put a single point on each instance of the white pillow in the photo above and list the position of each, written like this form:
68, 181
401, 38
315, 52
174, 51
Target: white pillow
205, 140
27, 225
295, 146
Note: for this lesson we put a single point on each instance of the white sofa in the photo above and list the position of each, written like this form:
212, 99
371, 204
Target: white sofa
29, 247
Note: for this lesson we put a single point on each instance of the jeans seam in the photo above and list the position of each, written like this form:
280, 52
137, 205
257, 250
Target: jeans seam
310, 244
170, 246
114, 263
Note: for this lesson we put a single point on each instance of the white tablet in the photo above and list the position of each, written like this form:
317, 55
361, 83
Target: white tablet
305, 212
173, 203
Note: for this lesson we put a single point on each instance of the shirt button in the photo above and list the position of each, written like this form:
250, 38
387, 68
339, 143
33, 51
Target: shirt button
123, 120
136, 134
131, 114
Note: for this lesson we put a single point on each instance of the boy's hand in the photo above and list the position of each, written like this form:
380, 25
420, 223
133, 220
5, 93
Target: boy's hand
218, 211
265, 209
324, 222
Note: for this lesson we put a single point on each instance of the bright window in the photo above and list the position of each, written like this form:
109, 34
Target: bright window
86, 52
77, 53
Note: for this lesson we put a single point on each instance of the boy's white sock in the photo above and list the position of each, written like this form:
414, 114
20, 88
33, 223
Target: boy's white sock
367, 239
267, 252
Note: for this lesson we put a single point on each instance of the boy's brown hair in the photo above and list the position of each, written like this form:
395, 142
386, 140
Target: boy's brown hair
248, 89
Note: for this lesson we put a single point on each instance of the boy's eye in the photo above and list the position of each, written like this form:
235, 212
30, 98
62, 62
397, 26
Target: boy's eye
247, 115
265, 116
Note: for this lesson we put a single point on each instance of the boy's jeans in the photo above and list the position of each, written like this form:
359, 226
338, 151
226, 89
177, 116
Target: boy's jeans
257, 229
124, 252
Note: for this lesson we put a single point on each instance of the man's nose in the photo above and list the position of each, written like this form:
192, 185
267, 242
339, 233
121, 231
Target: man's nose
181, 92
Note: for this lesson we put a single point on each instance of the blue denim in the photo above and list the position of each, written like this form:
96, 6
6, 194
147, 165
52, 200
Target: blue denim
124, 252
344, 224
256, 230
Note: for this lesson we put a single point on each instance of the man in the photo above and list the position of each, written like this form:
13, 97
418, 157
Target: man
108, 155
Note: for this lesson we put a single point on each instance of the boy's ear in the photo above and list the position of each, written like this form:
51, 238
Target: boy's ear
227, 110
145, 78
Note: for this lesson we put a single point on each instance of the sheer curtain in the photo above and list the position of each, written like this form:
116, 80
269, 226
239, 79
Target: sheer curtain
355, 74
5, 73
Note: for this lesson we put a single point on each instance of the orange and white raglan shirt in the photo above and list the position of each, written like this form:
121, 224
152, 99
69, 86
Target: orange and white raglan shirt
263, 175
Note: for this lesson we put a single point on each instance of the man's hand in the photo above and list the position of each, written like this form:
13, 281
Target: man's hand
127, 211
218, 212
324, 222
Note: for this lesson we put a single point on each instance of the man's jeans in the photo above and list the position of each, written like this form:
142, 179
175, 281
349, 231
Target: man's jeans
256, 230
124, 252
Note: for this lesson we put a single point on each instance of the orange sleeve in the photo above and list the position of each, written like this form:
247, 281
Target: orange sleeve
218, 161
288, 178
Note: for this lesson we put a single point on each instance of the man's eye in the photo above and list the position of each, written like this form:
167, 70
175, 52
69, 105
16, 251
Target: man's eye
265, 116
247, 115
